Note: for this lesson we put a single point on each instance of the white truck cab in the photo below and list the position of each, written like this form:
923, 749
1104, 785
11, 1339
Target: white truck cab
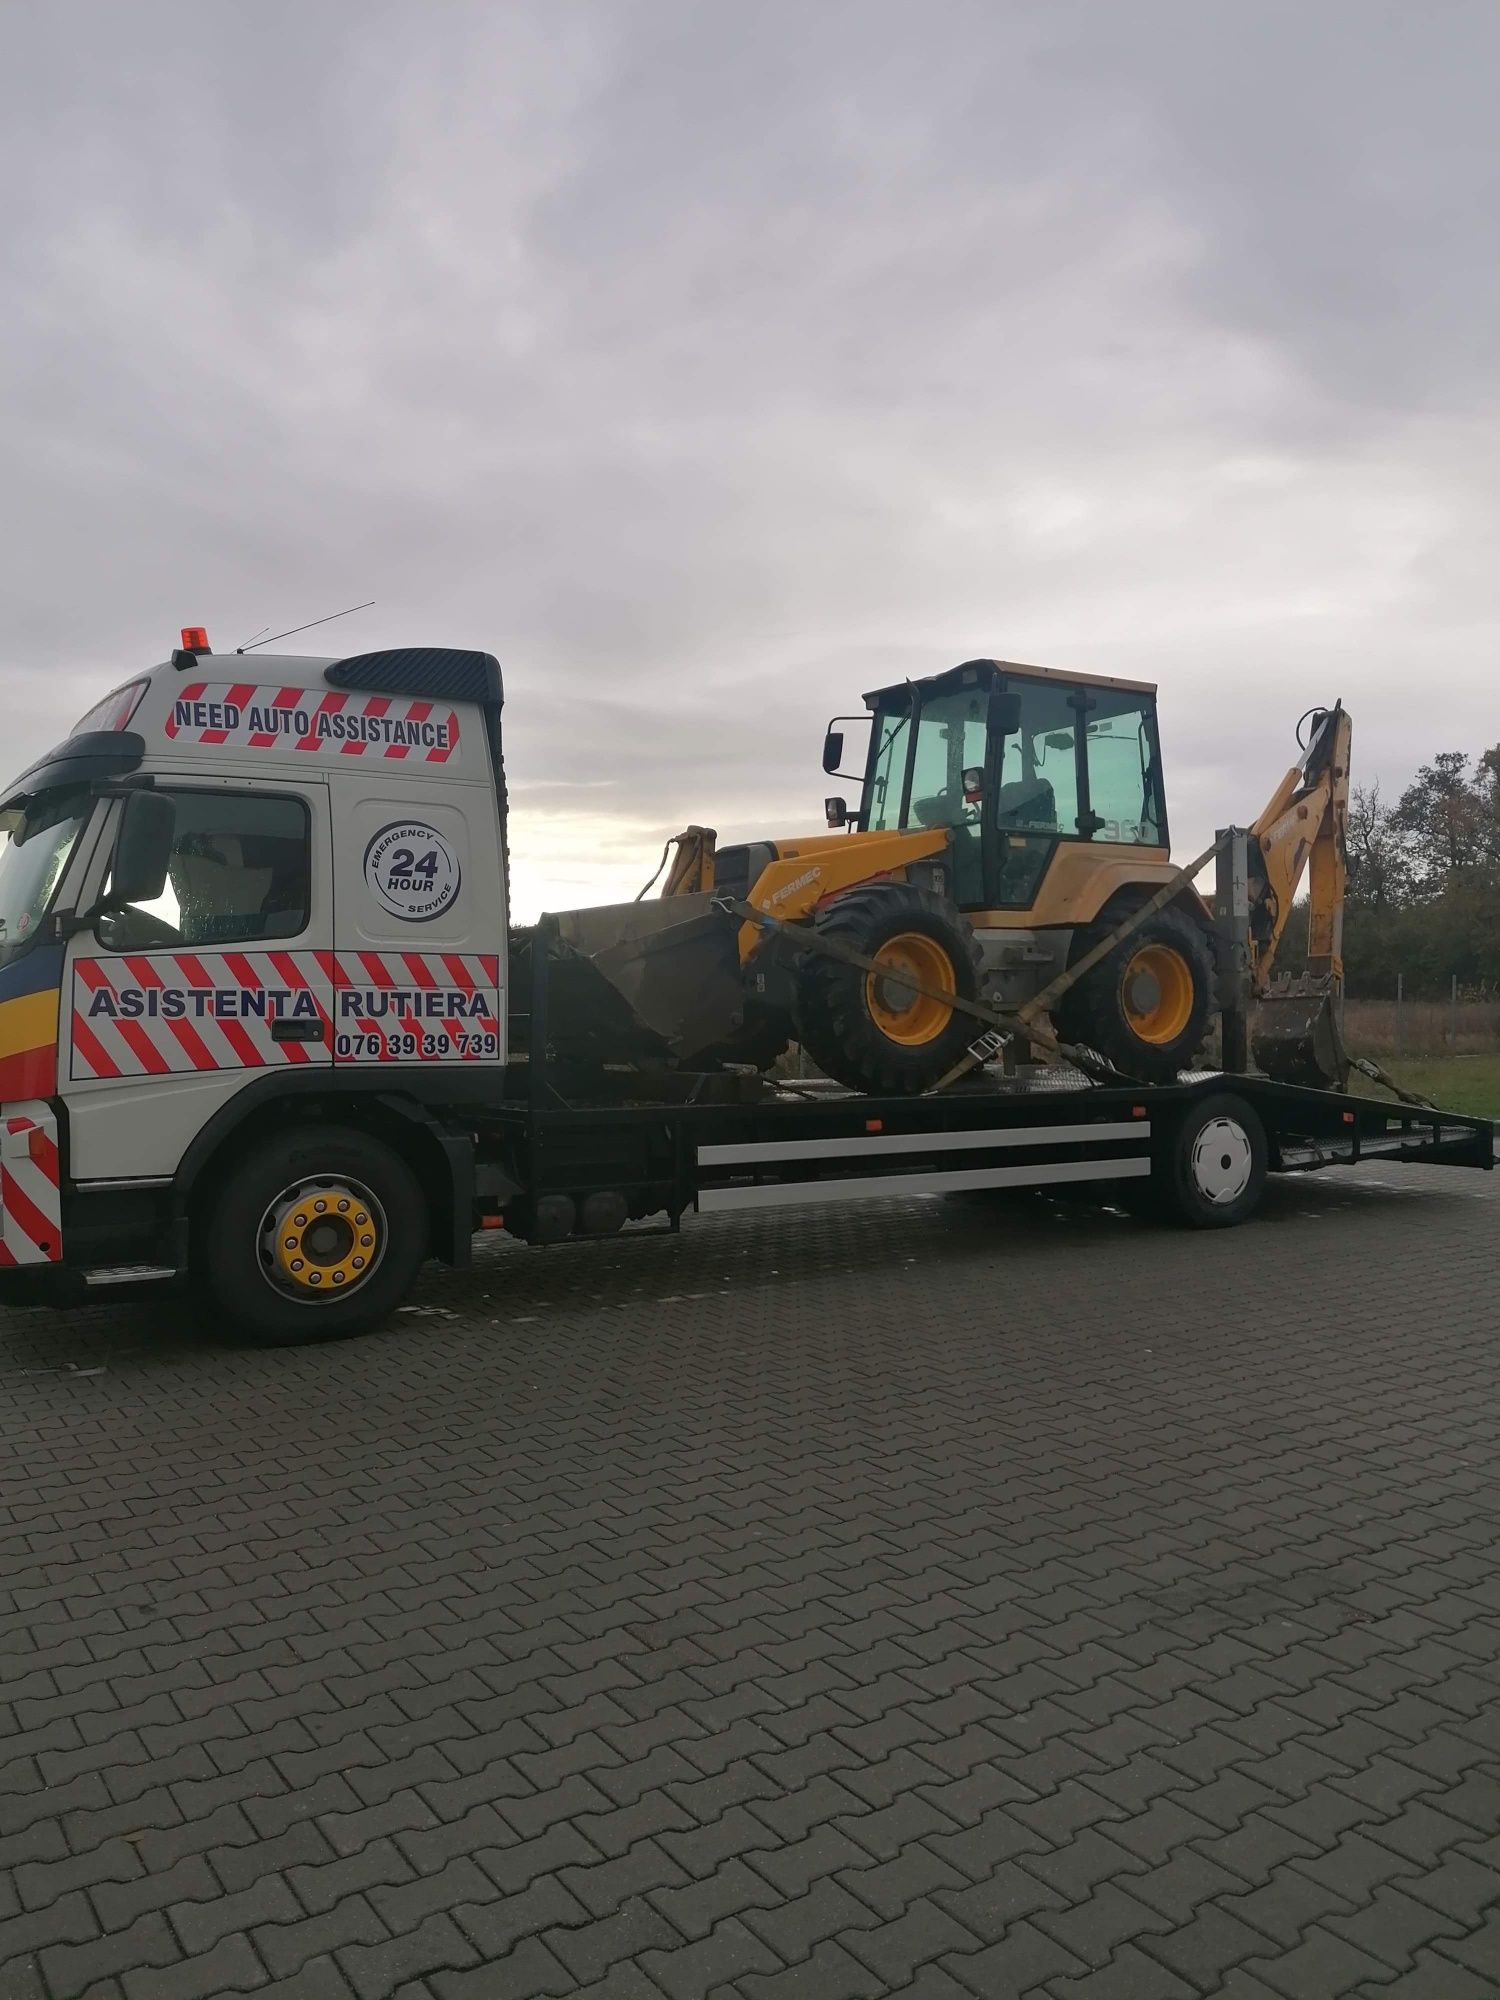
237, 881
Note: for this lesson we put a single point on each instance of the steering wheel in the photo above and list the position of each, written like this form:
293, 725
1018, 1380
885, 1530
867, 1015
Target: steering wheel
145, 930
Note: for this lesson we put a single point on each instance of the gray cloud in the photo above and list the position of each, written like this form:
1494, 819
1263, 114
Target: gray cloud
712, 366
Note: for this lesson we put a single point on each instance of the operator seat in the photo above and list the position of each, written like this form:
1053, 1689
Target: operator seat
1027, 804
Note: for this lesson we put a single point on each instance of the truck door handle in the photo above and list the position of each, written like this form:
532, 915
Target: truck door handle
297, 1031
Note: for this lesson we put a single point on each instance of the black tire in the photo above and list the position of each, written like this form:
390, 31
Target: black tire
1102, 1012
1214, 1170
231, 1241
834, 1019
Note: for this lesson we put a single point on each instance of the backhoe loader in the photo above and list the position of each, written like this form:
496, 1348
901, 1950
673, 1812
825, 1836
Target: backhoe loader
1010, 850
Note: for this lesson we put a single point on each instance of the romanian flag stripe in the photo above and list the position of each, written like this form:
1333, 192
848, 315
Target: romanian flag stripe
29, 1000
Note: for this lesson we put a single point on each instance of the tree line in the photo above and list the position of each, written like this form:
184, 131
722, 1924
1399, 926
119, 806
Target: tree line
1424, 884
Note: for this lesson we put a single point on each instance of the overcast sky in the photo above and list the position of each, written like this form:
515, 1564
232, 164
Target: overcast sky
713, 364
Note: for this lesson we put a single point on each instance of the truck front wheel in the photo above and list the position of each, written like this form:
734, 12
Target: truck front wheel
314, 1235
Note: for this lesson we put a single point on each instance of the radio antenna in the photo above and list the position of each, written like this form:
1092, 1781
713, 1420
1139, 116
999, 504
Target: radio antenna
292, 631
252, 639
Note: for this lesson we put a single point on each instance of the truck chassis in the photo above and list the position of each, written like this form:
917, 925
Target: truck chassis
552, 1156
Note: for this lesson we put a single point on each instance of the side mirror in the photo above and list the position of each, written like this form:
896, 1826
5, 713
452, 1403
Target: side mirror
1005, 712
836, 812
833, 749
143, 848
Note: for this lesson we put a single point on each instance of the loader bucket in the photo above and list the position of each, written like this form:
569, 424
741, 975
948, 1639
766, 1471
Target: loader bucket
651, 979
1297, 1034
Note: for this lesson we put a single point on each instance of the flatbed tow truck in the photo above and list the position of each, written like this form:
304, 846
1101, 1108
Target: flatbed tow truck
266, 1030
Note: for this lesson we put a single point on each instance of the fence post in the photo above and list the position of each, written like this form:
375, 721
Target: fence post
1453, 1015
1400, 982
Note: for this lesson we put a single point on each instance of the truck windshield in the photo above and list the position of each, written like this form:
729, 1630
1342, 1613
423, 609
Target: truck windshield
35, 842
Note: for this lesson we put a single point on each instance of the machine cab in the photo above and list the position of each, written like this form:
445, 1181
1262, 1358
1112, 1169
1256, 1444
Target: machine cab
1020, 763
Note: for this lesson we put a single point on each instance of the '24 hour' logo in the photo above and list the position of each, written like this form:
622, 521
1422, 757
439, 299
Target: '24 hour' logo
412, 871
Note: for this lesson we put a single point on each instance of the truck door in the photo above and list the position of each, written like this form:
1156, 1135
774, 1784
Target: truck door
170, 1008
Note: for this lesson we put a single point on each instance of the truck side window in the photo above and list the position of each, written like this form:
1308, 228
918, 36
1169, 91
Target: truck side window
240, 873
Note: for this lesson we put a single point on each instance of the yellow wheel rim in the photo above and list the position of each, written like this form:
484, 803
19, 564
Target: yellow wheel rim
901, 1013
1157, 990
323, 1238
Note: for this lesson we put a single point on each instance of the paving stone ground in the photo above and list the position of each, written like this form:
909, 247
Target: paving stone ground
928, 1599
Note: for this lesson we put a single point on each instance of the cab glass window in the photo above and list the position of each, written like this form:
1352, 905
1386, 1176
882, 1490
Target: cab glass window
240, 873
950, 741
1038, 790
1123, 789
889, 743
36, 842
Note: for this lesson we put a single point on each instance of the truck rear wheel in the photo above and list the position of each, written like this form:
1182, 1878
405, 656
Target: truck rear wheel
315, 1235
1215, 1172
873, 1030
1146, 1005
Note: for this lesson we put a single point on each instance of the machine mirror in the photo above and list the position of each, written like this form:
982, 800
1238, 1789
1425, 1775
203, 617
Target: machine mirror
836, 812
833, 749
143, 850
1005, 712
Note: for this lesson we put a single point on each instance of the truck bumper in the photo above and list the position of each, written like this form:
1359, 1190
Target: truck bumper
30, 1188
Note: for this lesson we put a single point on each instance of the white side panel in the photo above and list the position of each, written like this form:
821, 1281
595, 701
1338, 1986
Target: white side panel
420, 887
881, 1143
795, 1193
140, 1127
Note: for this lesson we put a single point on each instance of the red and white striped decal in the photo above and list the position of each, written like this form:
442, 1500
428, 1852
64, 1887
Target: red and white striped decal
241, 715
416, 1006
160, 1013
163, 1013
30, 1186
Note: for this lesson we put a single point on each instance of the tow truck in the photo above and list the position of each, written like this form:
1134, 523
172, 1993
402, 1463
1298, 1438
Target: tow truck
266, 1030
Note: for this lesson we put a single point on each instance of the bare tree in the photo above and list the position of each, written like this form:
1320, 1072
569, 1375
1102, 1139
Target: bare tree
1378, 874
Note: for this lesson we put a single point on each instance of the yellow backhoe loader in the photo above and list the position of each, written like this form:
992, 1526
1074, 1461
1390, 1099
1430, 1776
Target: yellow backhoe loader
1009, 852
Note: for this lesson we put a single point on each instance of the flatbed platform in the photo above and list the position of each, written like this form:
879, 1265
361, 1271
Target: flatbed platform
817, 1142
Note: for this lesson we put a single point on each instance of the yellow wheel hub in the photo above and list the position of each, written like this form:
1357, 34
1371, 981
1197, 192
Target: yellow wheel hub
901, 1013
1157, 990
326, 1238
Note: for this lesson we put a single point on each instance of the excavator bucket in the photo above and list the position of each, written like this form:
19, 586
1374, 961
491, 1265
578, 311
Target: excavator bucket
1297, 1035
655, 980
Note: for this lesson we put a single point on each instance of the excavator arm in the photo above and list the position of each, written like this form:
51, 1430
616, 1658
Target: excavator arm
692, 870
1298, 1034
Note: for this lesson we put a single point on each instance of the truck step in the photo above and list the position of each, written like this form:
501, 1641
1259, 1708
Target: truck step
129, 1274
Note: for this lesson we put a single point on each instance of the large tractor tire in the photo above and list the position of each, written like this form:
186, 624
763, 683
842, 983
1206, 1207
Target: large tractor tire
871, 1030
1145, 1006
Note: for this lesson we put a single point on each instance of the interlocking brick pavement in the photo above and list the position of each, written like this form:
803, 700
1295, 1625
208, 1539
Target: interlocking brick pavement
934, 1599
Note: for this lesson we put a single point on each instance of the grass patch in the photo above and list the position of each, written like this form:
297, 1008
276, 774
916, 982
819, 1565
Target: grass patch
1454, 1083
